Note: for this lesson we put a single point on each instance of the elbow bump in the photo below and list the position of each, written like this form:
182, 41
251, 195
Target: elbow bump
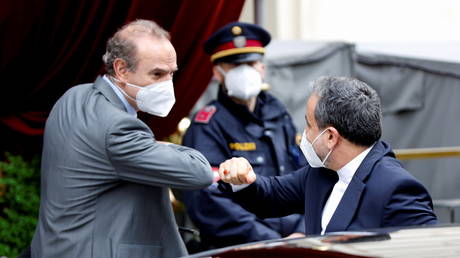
205, 178
209, 177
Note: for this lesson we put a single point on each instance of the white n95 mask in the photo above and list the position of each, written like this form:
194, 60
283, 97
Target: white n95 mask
156, 98
242, 82
309, 151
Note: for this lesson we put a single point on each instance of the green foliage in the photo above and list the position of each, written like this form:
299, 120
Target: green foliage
19, 203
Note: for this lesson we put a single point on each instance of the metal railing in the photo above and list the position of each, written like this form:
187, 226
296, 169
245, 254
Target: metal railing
427, 153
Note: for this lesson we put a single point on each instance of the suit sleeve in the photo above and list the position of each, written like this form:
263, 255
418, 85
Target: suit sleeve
137, 157
274, 196
409, 204
215, 213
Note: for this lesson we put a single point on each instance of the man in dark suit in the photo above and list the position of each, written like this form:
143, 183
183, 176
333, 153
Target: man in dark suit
105, 179
352, 182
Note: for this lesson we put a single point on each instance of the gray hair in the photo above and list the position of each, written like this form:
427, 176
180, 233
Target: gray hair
122, 46
350, 106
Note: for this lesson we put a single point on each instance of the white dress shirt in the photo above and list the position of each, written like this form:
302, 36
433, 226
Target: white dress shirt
345, 175
120, 95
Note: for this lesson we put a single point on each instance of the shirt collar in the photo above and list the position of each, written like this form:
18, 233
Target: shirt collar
346, 172
130, 109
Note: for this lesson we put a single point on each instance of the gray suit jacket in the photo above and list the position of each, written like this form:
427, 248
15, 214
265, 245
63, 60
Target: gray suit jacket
104, 181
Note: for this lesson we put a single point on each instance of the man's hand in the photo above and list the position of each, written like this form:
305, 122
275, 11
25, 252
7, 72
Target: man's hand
237, 171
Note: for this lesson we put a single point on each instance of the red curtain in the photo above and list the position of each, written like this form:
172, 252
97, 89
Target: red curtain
50, 46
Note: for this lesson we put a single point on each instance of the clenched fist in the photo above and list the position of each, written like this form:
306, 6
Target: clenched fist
237, 171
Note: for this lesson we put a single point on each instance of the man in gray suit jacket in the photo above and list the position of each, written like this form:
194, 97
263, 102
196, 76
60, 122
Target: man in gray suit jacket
105, 179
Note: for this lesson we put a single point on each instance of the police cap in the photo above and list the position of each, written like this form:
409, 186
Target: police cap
237, 42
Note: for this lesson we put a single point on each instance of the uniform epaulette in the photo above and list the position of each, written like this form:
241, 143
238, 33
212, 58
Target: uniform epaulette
205, 114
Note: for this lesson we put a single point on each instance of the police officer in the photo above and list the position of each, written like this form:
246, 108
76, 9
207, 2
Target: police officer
247, 122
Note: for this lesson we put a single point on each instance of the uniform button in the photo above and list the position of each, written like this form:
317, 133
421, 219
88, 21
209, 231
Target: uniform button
282, 168
260, 159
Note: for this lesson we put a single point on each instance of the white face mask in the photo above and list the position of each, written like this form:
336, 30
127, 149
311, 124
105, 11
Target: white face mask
309, 151
242, 82
156, 98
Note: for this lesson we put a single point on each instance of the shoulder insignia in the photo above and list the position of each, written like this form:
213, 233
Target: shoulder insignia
205, 114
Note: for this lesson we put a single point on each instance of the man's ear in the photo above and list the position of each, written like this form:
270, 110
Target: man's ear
120, 68
333, 137
217, 74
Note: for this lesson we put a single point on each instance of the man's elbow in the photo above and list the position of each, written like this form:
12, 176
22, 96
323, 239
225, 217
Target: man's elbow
204, 178
208, 178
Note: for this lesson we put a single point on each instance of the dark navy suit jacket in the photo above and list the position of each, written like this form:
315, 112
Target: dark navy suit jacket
381, 194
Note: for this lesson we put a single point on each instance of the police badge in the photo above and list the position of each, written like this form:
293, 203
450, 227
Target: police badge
239, 41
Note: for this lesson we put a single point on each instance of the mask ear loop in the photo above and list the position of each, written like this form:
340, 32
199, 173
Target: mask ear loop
329, 153
327, 156
319, 135
221, 70
122, 91
223, 73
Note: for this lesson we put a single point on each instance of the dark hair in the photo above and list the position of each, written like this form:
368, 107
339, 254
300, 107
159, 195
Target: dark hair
122, 46
349, 105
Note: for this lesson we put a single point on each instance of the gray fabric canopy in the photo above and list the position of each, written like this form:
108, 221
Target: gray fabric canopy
421, 109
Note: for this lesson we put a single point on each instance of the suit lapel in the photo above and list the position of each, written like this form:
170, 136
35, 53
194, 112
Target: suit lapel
350, 201
101, 85
318, 189
347, 207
